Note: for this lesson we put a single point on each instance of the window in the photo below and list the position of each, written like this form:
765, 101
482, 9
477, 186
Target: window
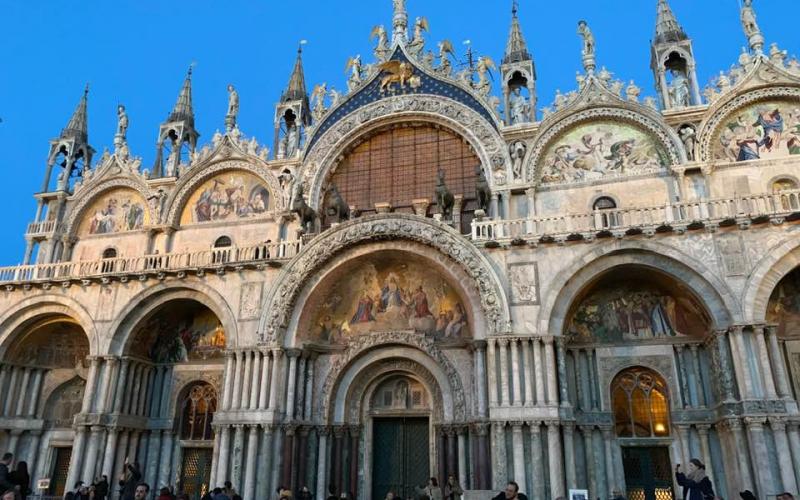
787, 199
605, 220
605, 203
109, 253
223, 242
221, 253
640, 403
197, 412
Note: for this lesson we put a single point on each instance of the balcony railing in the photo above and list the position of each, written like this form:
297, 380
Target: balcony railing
669, 215
42, 228
157, 263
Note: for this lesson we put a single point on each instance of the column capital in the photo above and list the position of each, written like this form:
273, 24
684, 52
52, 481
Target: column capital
550, 423
290, 429
534, 424
736, 329
703, 429
481, 428
778, 423
96, 429
548, 340
355, 430
324, 430
517, 425
755, 423
607, 430
502, 342
293, 353
479, 345
277, 352
304, 430
732, 424
569, 426
586, 429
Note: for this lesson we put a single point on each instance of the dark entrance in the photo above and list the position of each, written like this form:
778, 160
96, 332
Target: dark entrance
400, 456
196, 471
648, 473
58, 480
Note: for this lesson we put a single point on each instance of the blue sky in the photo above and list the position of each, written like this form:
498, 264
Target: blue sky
136, 53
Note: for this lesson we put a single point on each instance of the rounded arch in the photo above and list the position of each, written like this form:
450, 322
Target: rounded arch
490, 147
719, 301
62, 402
198, 175
778, 261
87, 197
361, 392
675, 49
725, 108
19, 316
279, 304
555, 126
149, 300
639, 393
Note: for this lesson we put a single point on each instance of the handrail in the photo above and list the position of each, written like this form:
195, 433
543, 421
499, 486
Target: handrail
155, 263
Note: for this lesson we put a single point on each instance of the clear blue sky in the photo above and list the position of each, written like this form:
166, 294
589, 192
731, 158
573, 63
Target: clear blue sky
136, 52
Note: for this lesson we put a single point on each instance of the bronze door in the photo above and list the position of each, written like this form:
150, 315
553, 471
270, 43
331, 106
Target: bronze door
196, 471
401, 460
648, 473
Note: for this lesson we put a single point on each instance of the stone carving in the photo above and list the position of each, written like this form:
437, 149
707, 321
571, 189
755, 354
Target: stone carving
732, 254
233, 108
482, 192
484, 68
250, 300
519, 106
306, 214
382, 47
398, 226
444, 198
445, 52
318, 108
524, 284
356, 73
588, 46
417, 43
400, 73
122, 125
689, 139
517, 149
336, 209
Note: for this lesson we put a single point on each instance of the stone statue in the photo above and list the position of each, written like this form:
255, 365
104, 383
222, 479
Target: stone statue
445, 51
122, 123
519, 109
689, 139
417, 43
286, 181
318, 108
307, 215
444, 198
335, 206
517, 150
291, 140
749, 22
399, 6
233, 102
482, 192
679, 90
382, 49
354, 67
335, 97
588, 51
632, 92
484, 67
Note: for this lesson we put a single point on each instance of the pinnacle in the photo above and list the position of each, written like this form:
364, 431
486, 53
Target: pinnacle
296, 90
183, 110
667, 27
516, 48
77, 127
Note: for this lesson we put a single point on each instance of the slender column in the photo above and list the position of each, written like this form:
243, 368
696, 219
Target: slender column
539, 367
302, 457
500, 459
556, 465
254, 389
76, 458
4, 369
264, 387
705, 449
336, 458
224, 454
155, 398
699, 385
119, 396
322, 462
111, 449
275, 382
33, 406
561, 364
13, 440
441, 452
608, 442
165, 462
741, 362
492, 372
519, 456
479, 352
23, 392
134, 385
483, 465
238, 371
122, 449
537, 492
91, 385
153, 452
212, 481
591, 473
527, 371
759, 455
720, 345
766, 369
238, 451
745, 478
515, 369
247, 376
355, 432
228, 388
794, 442
778, 363
684, 378
593, 379
452, 452
133, 446
288, 454
300, 387
292, 380
683, 439
249, 490
309, 392
277, 451
166, 391
34, 452
265, 459
462, 456
111, 375
551, 369
502, 344
90, 462
784, 453
569, 453
580, 378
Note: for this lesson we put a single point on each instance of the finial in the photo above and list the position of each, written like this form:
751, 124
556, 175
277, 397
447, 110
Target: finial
750, 25
86, 90
514, 8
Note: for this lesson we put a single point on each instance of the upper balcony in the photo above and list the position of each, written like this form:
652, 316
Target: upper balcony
42, 229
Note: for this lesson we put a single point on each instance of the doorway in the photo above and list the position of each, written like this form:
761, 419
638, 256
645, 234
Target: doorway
58, 481
401, 460
648, 473
196, 471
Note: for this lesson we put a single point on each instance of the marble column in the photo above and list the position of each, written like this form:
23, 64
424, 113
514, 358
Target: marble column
106, 403
76, 459
166, 392
741, 362
608, 443
520, 475
483, 462
224, 454
265, 459
451, 448
33, 405
132, 404
302, 457
588, 450
683, 376
309, 391
698, 374
515, 372
479, 352
537, 492
555, 459
237, 458
34, 452
794, 444
500, 460
561, 365
212, 481
13, 441
683, 439
288, 453
249, 490
153, 452
462, 457
778, 363
527, 372
569, 454
705, 449
720, 345
277, 450
784, 454
256, 377
110, 452
165, 461
441, 452
228, 387
158, 386
23, 391
491, 379
300, 387
551, 371
291, 383
322, 463
121, 393
119, 458
502, 345
238, 371
336, 458
763, 359
264, 386
274, 384
91, 385
594, 379
759, 455
90, 462
539, 367
355, 432
247, 377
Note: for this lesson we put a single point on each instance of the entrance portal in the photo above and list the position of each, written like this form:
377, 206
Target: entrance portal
196, 471
648, 473
400, 456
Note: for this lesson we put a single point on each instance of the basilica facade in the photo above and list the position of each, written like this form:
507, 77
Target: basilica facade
425, 275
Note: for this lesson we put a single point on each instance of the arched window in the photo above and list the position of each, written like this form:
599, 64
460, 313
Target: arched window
223, 242
221, 253
784, 190
197, 412
605, 220
108, 266
109, 253
640, 401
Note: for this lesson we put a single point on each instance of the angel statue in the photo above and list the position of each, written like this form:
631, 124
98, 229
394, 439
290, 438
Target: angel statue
382, 49
335, 96
484, 68
354, 67
318, 108
749, 22
588, 46
122, 123
445, 51
417, 43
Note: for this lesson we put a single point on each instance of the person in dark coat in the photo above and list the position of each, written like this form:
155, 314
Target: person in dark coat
5, 473
511, 493
130, 477
22, 479
101, 488
696, 485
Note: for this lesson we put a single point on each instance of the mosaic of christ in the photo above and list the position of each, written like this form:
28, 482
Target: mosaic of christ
386, 292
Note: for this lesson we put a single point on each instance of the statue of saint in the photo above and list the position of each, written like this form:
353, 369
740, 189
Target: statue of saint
519, 107
749, 22
588, 39
689, 139
233, 102
679, 90
122, 122
291, 141
399, 6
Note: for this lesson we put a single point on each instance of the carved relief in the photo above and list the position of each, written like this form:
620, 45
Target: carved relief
250, 300
732, 255
524, 283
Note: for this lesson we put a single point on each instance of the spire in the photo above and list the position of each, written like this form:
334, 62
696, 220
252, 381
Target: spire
77, 127
667, 27
516, 48
183, 106
296, 90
